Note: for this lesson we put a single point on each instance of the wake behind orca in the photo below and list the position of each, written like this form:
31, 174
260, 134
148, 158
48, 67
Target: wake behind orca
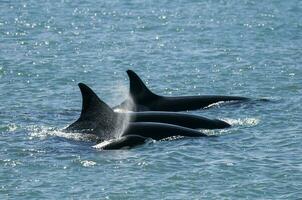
99, 119
142, 99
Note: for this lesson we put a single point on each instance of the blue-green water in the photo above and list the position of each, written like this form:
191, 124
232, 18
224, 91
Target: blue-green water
247, 48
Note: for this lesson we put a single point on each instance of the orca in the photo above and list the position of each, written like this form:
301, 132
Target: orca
99, 119
142, 99
181, 119
123, 142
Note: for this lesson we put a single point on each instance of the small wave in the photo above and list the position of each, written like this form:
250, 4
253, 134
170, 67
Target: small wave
243, 122
44, 132
10, 163
106, 142
102, 144
217, 104
212, 132
87, 163
178, 137
234, 122
12, 127
262, 99
9, 127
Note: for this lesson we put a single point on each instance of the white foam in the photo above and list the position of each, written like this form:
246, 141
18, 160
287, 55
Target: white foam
234, 122
12, 127
87, 163
11, 163
44, 132
243, 122
215, 132
102, 144
217, 104
177, 137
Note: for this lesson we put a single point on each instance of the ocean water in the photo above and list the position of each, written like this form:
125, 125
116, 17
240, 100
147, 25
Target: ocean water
247, 48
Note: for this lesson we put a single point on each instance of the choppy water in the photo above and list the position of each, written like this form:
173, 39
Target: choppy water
247, 48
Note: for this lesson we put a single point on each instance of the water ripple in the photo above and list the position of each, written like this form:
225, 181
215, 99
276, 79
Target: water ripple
246, 48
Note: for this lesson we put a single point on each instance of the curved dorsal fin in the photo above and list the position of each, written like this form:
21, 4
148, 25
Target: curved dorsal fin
92, 106
96, 116
138, 90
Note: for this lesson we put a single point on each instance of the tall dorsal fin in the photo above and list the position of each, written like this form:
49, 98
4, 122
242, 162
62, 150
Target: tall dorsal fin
95, 116
92, 106
138, 90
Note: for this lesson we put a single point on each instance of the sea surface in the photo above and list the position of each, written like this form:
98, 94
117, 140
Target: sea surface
226, 47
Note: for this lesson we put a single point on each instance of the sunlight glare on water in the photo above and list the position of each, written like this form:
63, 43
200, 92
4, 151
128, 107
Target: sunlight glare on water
243, 48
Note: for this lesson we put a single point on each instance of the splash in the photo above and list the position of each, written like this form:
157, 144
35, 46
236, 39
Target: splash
217, 104
106, 142
87, 163
102, 144
45, 132
248, 122
216, 132
177, 137
10, 162
243, 122
12, 127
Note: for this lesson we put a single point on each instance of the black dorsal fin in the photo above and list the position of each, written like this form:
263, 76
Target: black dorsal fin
92, 105
95, 115
138, 90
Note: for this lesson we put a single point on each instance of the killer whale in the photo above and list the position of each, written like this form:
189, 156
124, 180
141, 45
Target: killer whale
181, 119
141, 98
99, 119
123, 142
